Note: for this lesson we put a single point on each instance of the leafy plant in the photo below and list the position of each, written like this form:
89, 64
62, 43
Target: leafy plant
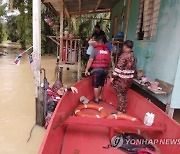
83, 25
2, 12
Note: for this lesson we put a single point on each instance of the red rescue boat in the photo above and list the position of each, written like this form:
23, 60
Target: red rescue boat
87, 135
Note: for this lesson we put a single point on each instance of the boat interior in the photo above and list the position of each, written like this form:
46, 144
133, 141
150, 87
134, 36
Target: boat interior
84, 135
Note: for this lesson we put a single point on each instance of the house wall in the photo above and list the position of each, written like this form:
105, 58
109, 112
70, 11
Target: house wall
176, 92
117, 11
159, 57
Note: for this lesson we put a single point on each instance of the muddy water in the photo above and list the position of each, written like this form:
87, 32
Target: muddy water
17, 105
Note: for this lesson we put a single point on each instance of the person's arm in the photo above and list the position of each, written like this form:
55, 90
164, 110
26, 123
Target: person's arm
91, 42
88, 66
90, 61
73, 89
120, 65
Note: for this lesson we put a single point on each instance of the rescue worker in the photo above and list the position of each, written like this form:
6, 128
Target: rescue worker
100, 61
123, 74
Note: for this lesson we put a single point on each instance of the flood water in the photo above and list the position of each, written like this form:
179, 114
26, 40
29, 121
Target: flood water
17, 103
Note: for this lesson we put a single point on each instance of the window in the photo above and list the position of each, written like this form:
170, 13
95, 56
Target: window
148, 19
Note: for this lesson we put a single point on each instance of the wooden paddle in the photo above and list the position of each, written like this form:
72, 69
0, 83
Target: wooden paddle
83, 100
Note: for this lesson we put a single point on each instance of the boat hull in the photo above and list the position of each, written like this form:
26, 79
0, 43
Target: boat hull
85, 139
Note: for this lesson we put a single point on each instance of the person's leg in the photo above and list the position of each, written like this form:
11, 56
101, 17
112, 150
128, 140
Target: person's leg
121, 96
102, 81
96, 94
95, 84
122, 101
100, 92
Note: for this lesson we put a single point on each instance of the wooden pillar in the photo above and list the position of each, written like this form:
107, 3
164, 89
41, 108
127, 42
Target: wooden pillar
127, 19
66, 57
71, 41
169, 111
75, 50
69, 24
61, 31
37, 60
79, 63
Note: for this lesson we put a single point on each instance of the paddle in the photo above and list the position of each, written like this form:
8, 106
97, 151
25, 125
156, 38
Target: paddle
83, 100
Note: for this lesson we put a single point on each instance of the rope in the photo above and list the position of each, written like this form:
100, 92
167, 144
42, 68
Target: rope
30, 133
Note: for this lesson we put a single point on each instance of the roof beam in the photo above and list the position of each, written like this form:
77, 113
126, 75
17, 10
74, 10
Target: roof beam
93, 18
79, 5
98, 3
46, 1
90, 12
66, 11
65, 8
51, 8
61, 2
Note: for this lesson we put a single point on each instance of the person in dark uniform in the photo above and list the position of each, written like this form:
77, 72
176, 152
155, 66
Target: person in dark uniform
100, 61
123, 74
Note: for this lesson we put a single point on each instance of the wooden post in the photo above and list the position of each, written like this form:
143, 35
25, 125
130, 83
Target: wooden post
66, 57
75, 50
61, 31
70, 52
79, 63
127, 19
69, 24
169, 111
37, 61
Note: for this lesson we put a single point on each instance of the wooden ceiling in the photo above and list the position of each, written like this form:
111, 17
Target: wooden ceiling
78, 7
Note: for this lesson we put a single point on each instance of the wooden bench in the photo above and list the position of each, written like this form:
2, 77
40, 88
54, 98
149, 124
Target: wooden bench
111, 124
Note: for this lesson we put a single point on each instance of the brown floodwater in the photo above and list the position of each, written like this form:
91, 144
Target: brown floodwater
17, 111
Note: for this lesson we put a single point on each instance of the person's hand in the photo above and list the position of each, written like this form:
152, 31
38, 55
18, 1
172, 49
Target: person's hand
87, 73
74, 89
111, 79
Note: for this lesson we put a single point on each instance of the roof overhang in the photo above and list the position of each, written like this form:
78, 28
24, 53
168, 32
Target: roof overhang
79, 7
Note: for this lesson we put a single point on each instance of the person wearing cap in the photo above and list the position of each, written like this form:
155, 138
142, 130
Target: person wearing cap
123, 74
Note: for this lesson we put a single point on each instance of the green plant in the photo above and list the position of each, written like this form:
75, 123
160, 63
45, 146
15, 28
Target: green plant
2, 12
83, 25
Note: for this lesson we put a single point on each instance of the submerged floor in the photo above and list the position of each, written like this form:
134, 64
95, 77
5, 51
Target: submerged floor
17, 111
